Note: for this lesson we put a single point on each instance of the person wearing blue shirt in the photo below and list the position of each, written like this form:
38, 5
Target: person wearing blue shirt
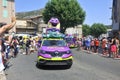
87, 43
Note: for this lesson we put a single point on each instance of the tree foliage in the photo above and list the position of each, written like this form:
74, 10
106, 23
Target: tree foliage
86, 30
97, 29
69, 12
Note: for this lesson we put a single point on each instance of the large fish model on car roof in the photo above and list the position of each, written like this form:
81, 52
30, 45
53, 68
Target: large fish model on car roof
54, 23
53, 29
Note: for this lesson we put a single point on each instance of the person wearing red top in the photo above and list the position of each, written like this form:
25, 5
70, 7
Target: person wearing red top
104, 46
96, 45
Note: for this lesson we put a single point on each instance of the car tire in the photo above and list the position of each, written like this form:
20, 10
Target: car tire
68, 66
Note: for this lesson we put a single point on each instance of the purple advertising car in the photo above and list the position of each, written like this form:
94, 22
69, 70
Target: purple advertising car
54, 52
71, 42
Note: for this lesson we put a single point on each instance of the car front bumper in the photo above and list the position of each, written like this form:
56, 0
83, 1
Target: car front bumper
55, 61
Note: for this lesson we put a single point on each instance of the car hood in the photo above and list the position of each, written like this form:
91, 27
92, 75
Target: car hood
54, 48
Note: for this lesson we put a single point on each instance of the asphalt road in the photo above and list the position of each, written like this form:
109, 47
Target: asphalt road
85, 67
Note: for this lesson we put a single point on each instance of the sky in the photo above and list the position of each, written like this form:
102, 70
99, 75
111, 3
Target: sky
97, 11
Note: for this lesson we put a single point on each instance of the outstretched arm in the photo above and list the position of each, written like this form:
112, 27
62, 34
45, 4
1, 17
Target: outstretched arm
8, 26
9, 39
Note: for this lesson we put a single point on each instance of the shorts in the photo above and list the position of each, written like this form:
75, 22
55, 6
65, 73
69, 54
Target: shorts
105, 48
88, 47
2, 75
96, 47
92, 46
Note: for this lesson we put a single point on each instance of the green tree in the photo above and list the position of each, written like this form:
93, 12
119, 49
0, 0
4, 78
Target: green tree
85, 30
97, 29
69, 12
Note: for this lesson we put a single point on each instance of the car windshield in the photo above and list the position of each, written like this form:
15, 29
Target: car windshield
54, 43
69, 40
52, 30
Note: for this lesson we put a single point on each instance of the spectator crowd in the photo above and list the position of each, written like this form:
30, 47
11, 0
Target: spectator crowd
108, 47
11, 45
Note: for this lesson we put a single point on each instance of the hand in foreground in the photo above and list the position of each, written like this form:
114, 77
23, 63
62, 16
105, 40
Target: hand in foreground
13, 19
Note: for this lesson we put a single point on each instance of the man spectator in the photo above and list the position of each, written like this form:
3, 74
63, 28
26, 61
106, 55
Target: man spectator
3, 29
28, 44
96, 45
87, 43
15, 44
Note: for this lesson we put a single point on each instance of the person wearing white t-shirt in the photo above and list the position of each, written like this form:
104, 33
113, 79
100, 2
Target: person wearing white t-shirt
3, 29
2, 74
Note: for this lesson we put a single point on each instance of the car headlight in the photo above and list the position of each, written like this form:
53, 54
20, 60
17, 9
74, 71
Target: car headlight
42, 51
68, 52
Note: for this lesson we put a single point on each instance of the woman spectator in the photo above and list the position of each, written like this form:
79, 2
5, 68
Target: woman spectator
116, 42
114, 49
92, 44
104, 46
